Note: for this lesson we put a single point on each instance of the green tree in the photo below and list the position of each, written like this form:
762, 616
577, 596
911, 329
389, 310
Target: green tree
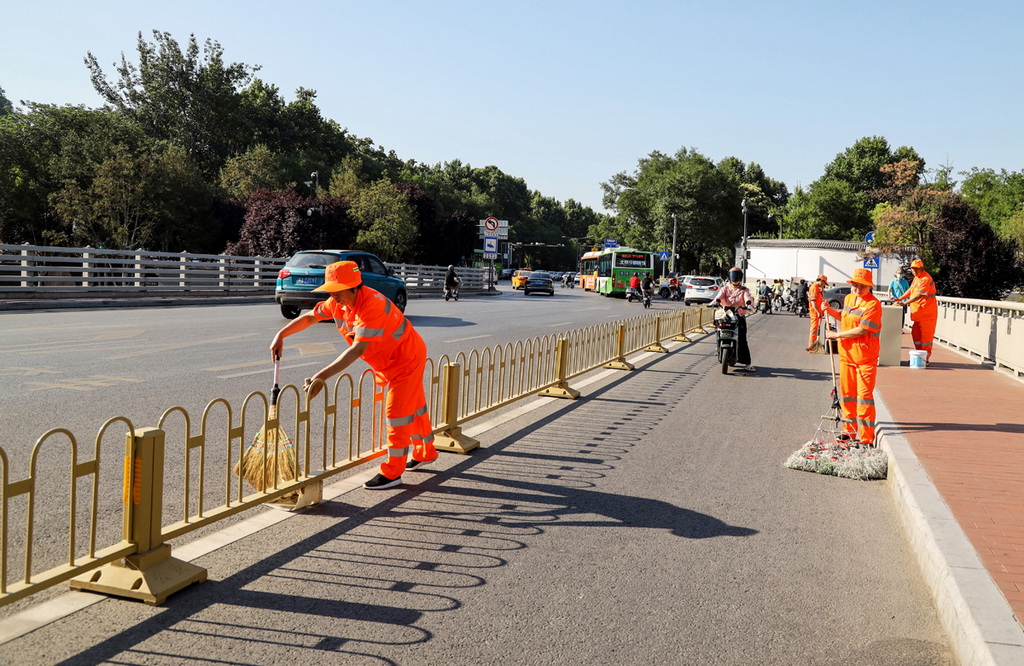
861, 164
386, 220
180, 96
829, 209
259, 167
5, 104
998, 197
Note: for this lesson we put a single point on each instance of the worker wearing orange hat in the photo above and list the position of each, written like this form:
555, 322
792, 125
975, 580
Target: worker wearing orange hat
816, 295
924, 310
859, 334
378, 332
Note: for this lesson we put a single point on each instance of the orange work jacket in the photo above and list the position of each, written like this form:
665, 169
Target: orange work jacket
927, 307
815, 294
394, 343
866, 312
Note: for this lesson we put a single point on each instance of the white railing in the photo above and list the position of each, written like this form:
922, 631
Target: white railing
43, 272
987, 329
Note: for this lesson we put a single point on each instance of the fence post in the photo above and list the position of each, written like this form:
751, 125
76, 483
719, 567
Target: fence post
620, 362
655, 345
450, 437
700, 321
681, 336
86, 269
151, 574
562, 388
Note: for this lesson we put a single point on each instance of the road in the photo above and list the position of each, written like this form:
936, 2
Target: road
649, 522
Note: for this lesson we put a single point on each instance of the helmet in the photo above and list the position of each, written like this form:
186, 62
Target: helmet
735, 275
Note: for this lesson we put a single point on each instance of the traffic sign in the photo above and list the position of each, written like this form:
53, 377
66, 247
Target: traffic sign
490, 256
870, 238
663, 256
611, 243
490, 244
491, 224
871, 262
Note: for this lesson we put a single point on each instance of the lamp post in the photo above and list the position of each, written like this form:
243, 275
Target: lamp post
675, 230
743, 263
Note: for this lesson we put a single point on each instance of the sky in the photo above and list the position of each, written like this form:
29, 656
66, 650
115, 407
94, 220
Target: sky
565, 94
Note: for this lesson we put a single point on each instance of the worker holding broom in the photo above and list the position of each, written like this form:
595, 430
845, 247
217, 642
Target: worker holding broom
858, 335
924, 310
816, 295
378, 332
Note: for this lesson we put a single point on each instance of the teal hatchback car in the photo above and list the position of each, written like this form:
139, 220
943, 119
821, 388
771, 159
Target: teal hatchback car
304, 272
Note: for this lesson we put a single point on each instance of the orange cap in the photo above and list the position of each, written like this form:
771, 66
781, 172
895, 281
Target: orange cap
917, 263
341, 275
862, 276
823, 279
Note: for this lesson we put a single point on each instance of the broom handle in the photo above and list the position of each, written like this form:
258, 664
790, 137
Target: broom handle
277, 389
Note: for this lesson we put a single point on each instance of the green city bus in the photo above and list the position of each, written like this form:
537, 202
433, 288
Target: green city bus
608, 271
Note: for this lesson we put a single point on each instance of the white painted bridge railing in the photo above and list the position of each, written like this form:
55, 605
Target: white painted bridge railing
990, 330
44, 272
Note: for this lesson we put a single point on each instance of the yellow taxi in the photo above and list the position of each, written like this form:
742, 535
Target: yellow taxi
519, 278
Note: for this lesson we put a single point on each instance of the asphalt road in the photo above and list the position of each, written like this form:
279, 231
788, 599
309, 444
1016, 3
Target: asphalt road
648, 522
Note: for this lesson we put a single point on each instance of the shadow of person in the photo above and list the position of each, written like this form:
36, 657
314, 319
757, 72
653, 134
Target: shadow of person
564, 506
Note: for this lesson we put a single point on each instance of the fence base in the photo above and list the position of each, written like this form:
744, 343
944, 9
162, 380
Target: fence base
619, 364
453, 441
562, 390
681, 338
656, 347
150, 577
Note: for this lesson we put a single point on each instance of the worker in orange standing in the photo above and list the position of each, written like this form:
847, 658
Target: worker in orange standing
860, 328
378, 332
924, 310
816, 295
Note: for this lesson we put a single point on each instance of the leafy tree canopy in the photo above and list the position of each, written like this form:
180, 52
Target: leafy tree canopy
5, 104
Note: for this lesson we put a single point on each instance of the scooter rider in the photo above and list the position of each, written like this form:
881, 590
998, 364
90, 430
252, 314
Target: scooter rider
451, 280
735, 294
646, 287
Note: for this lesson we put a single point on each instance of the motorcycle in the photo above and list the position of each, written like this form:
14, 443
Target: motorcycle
451, 291
631, 293
801, 308
764, 304
727, 325
646, 298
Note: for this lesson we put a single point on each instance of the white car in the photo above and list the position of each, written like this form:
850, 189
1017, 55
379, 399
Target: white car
700, 288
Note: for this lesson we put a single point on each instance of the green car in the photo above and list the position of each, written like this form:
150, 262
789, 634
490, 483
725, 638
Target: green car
304, 272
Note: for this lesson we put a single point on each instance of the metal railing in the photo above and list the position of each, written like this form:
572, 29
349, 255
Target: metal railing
342, 428
986, 329
44, 272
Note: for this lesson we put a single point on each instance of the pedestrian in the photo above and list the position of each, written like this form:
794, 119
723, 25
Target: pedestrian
734, 294
898, 285
860, 328
816, 296
378, 332
924, 309
801, 297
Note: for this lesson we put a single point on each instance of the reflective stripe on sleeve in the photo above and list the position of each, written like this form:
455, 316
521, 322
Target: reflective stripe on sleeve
399, 332
369, 332
398, 452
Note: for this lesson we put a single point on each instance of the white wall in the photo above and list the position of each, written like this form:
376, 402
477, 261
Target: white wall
837, 265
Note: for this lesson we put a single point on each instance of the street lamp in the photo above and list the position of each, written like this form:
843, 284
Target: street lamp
743, 264
675, 230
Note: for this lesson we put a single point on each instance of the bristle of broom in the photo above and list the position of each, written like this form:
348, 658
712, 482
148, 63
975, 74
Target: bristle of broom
270, 459
861, 463
818, 348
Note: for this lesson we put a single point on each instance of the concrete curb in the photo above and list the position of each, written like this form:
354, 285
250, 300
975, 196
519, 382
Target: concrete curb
981, 626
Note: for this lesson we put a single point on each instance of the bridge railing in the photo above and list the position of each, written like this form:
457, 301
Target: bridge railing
126, 488
991, 330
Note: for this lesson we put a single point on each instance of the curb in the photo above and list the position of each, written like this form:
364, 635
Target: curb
980, 624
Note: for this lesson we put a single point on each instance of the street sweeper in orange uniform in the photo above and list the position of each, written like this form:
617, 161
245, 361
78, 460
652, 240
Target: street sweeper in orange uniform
816, 296
378, 332
859, 337
924, 309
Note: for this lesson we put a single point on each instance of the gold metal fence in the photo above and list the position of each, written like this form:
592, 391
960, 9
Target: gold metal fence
340, 429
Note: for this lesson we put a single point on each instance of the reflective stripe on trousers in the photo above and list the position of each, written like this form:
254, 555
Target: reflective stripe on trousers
857, 399
815, 324
923, 333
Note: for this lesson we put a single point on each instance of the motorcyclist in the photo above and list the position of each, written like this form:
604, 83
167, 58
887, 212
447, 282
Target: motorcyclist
764, 293
673, 288
634, 284
801, 297
452, 280
646, 287
735, 294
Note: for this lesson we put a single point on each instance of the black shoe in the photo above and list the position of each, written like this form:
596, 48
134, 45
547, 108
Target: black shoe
380, 482
411, 464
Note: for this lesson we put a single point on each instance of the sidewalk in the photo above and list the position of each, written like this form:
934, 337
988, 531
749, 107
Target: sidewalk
963, 423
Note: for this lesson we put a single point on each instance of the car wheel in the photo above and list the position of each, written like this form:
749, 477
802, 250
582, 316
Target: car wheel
835, 305
401, 300
526, 292
289, 312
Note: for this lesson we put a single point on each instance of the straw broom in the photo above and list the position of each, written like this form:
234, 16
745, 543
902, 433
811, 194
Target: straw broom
819, 347
271, 459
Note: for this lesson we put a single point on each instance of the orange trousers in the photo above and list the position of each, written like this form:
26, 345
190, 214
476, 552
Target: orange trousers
923, 333
857, 399
409, 429
815, 324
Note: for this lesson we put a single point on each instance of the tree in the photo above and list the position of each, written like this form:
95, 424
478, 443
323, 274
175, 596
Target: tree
829, 209
278, 224
179, 96
861, 164
998, 197
5, 104
257, 168
386, 221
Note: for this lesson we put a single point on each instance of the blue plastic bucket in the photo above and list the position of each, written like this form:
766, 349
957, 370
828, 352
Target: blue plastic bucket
918, 359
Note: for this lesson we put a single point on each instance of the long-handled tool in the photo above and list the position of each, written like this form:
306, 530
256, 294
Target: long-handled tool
271, 458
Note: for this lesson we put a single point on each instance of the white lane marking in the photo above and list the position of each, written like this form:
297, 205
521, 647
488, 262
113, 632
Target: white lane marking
564, 323
266, 370
475, 337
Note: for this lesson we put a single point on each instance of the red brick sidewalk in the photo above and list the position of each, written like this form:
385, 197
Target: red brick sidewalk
965, 423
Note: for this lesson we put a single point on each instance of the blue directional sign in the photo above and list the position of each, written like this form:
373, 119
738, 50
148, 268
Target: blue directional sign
870, 238
610, 243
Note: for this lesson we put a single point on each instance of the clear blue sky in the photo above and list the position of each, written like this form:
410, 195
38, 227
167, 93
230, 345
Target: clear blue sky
566, 94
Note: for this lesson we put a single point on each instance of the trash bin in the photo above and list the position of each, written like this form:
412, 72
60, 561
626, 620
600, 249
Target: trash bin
892, 335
